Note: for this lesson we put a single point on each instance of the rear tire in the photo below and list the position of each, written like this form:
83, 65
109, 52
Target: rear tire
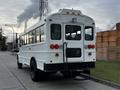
19, 65
33, 71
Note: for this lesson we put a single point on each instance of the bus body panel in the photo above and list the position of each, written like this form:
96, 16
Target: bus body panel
82, 21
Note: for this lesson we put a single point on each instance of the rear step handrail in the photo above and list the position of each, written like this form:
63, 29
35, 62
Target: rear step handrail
64, 52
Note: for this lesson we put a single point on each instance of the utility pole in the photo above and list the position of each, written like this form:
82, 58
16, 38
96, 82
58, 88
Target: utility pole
43, 8
40, 8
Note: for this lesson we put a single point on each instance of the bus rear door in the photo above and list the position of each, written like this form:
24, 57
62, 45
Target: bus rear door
73, 43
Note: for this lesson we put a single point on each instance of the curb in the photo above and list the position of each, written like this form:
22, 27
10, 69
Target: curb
106, 82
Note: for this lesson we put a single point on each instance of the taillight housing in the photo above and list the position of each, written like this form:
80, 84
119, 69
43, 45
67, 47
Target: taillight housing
54, 46
91, 46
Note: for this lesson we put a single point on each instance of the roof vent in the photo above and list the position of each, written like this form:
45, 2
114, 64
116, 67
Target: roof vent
70, 12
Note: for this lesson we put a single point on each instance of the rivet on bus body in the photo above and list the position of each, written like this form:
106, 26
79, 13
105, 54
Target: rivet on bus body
50, 19
89, 54
57, 54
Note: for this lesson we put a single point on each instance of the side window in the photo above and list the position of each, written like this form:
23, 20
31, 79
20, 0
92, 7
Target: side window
89, 33
43, 36
38, 35
55, 31
30, 37
21, 41
25, 39
72, 32
33, 36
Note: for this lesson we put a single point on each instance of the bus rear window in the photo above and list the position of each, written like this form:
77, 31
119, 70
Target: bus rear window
73, 32
55, 31
89, 33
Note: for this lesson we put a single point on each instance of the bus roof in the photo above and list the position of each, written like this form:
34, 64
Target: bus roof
65, 14
62, 12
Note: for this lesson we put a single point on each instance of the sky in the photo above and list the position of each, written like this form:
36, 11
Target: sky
105, 12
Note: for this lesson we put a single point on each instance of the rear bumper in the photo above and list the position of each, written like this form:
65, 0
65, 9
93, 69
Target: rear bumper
69, 66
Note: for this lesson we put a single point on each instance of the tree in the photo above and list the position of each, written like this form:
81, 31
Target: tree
2, 41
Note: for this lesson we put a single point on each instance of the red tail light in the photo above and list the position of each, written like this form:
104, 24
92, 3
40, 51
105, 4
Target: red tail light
54, 46
91, 46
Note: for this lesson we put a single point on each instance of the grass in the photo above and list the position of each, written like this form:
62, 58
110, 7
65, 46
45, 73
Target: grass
107, 70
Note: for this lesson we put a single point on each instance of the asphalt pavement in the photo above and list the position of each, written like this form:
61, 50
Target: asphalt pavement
11, 78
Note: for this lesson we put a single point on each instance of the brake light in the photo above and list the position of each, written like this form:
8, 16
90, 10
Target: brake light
91, 46
54, 46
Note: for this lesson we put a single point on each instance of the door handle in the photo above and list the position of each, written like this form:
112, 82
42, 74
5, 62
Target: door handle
65, 43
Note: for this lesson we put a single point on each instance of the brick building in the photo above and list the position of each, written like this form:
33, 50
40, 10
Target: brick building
108, 44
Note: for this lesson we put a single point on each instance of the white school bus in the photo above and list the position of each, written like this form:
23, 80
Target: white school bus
64, 41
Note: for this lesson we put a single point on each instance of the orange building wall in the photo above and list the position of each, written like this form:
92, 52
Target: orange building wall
108, 44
